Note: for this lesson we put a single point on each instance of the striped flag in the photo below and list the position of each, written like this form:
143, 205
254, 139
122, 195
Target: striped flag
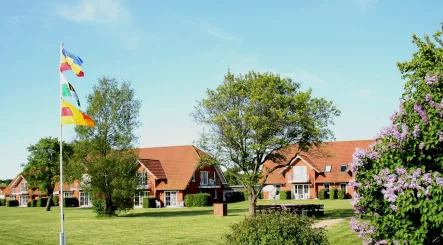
68, 89
72, 115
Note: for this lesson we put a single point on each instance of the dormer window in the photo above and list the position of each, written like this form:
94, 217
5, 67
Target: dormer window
343, 168
328, 168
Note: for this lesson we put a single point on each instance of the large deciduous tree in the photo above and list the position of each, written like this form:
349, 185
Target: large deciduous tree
249, 118
399, 182
42, 171
107, 151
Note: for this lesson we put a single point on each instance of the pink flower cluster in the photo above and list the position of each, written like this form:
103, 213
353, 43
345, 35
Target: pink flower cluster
363, 228
421, 112
431, 80
360, 156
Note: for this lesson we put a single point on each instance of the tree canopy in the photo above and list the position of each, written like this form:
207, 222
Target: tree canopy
107, 151
42, 171
250, 117
399, 181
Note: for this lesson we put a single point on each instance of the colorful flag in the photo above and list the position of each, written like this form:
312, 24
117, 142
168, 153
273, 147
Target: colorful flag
67, 89
72, 62
71, 115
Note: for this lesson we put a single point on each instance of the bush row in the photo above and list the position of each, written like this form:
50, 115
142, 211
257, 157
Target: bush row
285, 195
149, 202
235, 196
11, 203
2, 202
333, 194
197, 200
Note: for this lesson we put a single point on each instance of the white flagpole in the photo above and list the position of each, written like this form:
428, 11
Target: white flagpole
62, 218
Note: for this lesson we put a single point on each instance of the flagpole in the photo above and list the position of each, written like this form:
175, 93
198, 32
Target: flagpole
62, 218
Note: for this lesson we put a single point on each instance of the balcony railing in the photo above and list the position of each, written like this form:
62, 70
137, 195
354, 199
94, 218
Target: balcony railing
298, 178
211, 183
142, 187
19, 190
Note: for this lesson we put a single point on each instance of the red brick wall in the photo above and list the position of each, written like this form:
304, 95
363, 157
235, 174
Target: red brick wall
194, 186
311, 173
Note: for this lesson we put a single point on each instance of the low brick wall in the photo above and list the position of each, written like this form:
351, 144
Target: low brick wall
220, 209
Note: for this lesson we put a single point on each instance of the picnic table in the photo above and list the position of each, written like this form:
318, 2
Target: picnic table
299, 209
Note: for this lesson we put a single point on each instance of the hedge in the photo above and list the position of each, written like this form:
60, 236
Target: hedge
149, 202
333, 193
41, 202
197, 200
11, 203
2, 202
32, 203
70, 202
285, 195
341, 194
322, 194
235, 196
55, 200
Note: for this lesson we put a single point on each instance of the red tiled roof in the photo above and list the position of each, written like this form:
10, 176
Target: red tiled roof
155, 167
329, 153
8, 189
179, 163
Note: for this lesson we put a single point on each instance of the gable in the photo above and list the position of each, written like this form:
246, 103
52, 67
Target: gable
154, 167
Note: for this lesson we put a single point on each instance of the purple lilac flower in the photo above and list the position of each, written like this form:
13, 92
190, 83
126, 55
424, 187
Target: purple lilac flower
421, 145
421, 112
400, 171
440, 136
382, 242
393, 207
428, 98
427, 178
416, 131
394, 116
431, 80
396, 242
368, 241
354, 185
439, 180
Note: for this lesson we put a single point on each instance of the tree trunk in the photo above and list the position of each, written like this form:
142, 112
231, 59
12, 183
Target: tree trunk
252, 200
48, 203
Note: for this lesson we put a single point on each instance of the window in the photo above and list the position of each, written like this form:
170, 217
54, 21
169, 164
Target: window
142, 178
67, 194
203, 178
12, 197
326, 186
328, 168
84, 199
215, 194
193, 177
343, 186
23, 186
343, 168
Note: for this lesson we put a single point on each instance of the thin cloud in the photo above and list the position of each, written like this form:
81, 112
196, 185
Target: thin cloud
215, 31
367, 94
110, 14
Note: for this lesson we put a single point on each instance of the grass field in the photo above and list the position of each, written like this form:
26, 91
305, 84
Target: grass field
144, 226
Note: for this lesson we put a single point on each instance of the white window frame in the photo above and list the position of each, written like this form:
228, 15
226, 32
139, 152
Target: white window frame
84, 195
23, 186
140, 195
68, 194
142, 178
202, 173
342, 186
215, 193
326, 168
176, 195
12, 198
329, 186
346, 167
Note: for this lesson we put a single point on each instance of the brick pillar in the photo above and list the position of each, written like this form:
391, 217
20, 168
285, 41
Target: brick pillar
220, 209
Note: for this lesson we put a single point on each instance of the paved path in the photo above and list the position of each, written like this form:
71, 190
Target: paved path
328, 222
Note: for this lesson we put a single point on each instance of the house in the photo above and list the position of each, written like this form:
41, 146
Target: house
2, 187
170, 173
321, 167
167, 173
18, 190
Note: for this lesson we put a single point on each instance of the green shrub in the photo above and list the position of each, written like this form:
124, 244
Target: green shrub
246, 195
341, 194
98, 206
260, 196
275, 228
235, 196
149, 202
2, 202
33, 203
322, 194
41, 202
333, 193
197, 200
285, 195
11, 203
55, 200
70, 202
28, 204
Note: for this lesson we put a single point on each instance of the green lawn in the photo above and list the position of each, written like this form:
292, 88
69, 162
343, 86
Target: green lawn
143, 226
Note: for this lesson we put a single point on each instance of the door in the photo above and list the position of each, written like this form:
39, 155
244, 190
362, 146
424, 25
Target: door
138, 198
301, 192
24, 201
84, 199
170, 198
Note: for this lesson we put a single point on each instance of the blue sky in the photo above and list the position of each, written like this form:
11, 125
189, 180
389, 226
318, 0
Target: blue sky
172, 51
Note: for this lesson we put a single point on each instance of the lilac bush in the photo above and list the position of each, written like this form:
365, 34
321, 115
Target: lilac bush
398, 181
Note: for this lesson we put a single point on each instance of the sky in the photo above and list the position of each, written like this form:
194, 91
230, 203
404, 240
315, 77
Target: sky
173, 51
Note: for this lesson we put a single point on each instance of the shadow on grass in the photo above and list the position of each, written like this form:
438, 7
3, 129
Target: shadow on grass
336, 213
183, 212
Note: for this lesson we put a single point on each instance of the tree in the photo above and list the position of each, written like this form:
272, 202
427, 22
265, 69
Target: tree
107, 151
398, 182
42, 171
232, 176
251, 117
